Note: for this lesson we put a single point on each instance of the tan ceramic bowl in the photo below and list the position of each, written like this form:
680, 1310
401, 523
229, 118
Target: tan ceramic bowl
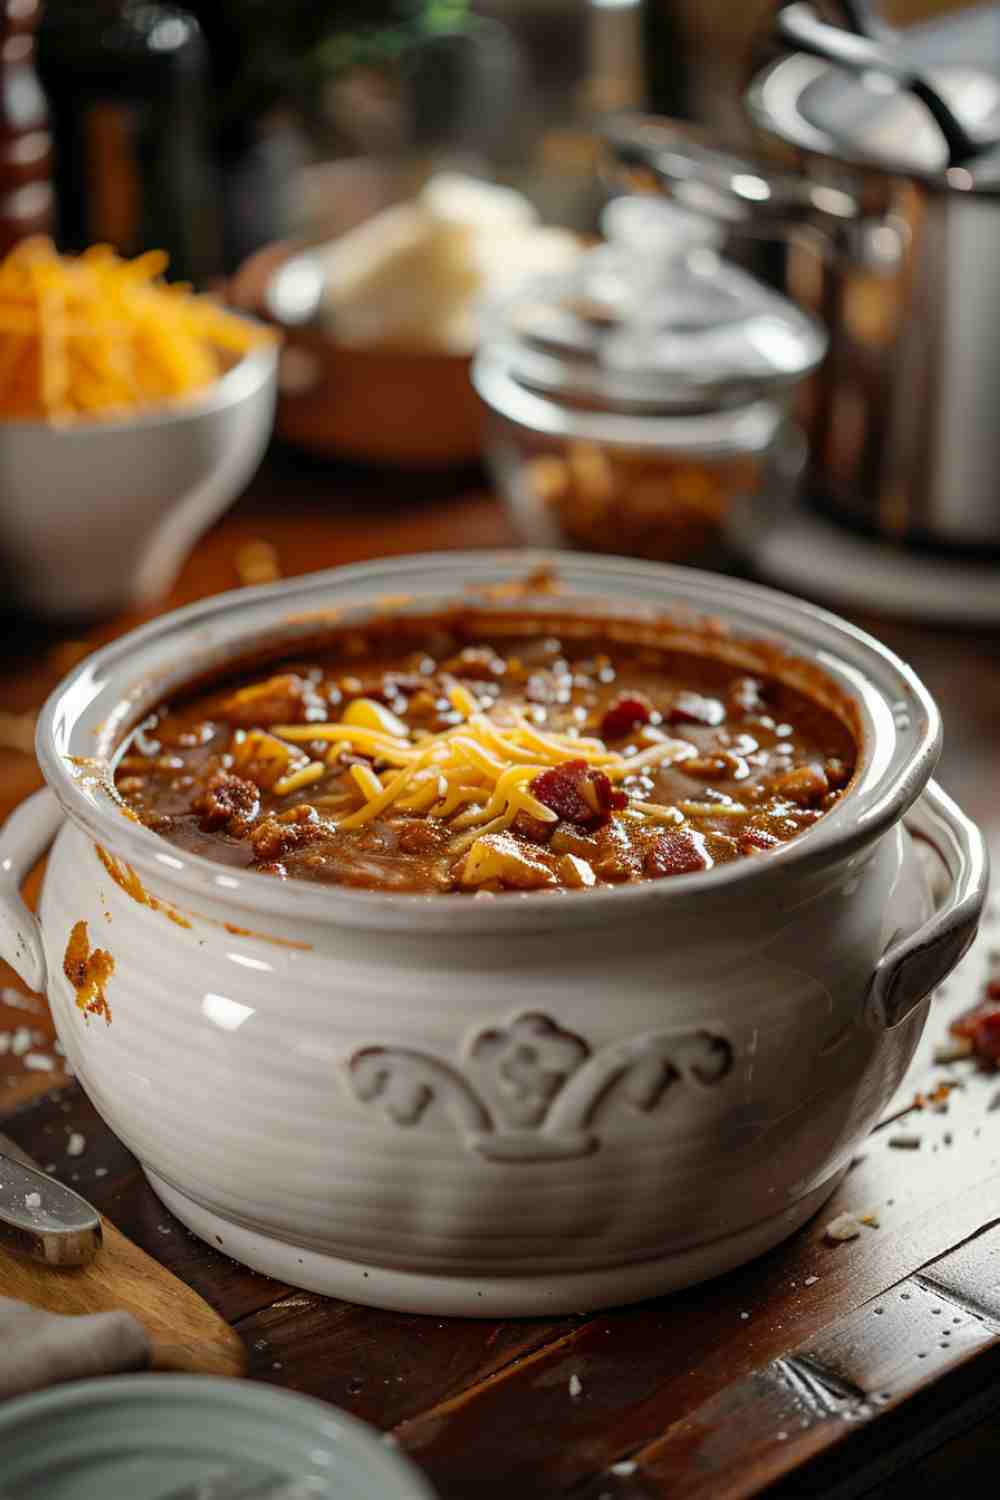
412, 409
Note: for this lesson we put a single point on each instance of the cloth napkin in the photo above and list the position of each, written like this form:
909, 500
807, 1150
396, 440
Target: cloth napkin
39, 1348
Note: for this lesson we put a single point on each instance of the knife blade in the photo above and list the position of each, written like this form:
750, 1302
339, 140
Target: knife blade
42, 1218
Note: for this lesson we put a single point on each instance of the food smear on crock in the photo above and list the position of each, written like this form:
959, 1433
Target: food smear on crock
88, 971
459, 756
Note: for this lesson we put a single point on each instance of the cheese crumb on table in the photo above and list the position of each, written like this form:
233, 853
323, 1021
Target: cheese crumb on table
75, 1145
843, 1227
627, 1467
575, 1386
810, 1281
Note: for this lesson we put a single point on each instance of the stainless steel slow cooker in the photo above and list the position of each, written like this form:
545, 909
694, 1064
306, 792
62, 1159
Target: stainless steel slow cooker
893, 237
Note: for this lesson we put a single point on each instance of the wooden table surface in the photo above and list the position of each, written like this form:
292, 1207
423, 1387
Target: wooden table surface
866, 1367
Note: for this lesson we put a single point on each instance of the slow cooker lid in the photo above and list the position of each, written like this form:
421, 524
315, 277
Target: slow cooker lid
653, 321
870, 122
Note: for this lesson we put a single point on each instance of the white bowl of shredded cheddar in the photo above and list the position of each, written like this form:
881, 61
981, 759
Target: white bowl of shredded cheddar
132, 412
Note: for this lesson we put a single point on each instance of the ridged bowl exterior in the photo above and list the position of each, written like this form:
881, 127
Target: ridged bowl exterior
227, 1067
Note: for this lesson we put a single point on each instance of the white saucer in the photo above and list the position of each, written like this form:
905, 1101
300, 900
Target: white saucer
806, 554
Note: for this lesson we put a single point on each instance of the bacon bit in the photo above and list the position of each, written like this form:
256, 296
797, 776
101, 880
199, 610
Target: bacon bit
628, 712
88, 972
681, 851
577, 793
419, 838
694, 708
986, 1039
227, 801
981, 1027
758, 841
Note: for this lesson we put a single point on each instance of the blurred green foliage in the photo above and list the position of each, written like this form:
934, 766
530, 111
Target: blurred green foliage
265, 54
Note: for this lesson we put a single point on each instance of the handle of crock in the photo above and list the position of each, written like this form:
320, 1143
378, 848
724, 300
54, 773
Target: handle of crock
908, 970
24, 838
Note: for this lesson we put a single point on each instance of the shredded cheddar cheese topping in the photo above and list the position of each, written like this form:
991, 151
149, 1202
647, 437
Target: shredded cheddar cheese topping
95, 336
477, 773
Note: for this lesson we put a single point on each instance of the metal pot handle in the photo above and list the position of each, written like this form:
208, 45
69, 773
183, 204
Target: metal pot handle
737, 190
24, 838
911, 967
800, 27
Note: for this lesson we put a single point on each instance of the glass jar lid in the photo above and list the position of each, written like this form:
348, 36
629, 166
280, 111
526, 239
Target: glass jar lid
654, 320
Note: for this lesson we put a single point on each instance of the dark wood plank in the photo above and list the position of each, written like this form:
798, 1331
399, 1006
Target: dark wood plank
383, 1367
851, 1387
964, 1466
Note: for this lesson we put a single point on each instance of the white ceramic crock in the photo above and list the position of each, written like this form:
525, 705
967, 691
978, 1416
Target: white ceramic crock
313, 1078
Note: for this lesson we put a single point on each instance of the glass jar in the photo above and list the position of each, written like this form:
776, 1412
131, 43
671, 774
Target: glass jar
640, 405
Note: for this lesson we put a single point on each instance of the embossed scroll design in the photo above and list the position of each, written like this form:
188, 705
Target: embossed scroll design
529, 1090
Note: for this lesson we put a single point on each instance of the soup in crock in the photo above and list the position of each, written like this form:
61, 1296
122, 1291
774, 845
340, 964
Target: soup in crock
475, 754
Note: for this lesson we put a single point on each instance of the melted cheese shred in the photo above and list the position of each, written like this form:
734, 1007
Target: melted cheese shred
477, 773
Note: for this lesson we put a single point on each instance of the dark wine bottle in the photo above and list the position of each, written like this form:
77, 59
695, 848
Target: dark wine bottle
127, 91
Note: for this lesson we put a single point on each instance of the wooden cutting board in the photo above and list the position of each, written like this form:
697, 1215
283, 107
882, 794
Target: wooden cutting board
184, 1331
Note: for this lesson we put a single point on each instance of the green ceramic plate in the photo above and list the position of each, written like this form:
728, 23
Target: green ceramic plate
140, 1437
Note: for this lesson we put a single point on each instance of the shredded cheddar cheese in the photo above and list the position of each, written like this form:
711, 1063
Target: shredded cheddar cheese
477, 773
98, 336
298, 779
